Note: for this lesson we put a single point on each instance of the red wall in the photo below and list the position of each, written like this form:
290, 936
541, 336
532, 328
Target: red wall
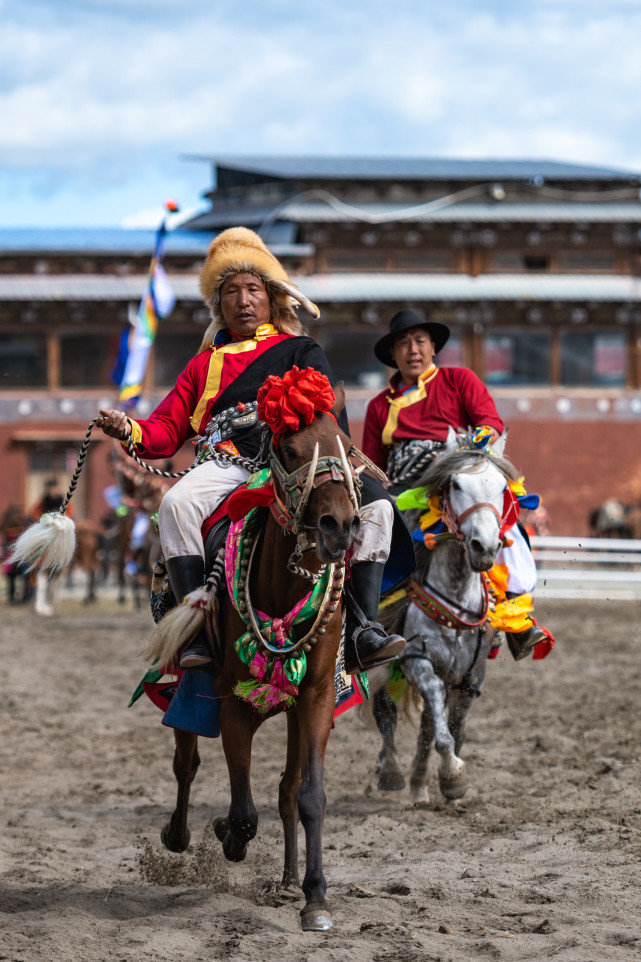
574, 466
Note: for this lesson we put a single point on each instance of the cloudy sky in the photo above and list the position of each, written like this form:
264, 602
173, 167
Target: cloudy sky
101, 99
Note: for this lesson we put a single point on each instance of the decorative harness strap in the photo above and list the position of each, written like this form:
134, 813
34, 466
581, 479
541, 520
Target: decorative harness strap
439, 612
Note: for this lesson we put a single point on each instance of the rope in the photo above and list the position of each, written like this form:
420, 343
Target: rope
81, 460
223, 460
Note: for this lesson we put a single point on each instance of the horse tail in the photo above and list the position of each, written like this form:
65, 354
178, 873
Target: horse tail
411, 705
376, 679
177, 627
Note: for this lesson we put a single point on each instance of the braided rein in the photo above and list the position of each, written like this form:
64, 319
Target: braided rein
222, 460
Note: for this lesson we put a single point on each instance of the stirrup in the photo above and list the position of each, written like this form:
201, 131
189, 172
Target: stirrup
388, 648
521, 643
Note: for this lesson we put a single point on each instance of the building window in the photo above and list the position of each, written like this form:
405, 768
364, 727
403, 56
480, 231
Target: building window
593, 359
507, 261
87, 360
172, 351
517, 358
532, 263
586, 261
351, 358
368, 260
423, 261
23, 361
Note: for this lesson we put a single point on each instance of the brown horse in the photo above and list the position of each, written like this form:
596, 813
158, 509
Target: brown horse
329, 519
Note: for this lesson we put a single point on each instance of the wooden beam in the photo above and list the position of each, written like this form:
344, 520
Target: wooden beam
54, 371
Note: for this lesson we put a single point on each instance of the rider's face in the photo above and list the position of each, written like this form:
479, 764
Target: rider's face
413, 352
244, 304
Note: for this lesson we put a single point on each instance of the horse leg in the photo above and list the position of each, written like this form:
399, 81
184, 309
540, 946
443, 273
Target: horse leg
390, 776
175, 835
91, 586
239, 723
451, 772
287, 803
457, 716
314, 711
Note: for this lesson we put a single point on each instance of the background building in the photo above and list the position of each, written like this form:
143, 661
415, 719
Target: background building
533, 265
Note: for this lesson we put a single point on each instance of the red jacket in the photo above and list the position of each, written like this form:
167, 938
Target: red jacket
444, 397
211, 382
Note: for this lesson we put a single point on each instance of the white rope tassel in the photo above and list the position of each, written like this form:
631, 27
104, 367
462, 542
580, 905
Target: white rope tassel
177, 627
49, 543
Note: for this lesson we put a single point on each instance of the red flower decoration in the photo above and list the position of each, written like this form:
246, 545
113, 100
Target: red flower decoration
297, 397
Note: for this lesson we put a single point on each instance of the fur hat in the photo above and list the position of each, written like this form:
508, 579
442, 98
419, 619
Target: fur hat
241, 251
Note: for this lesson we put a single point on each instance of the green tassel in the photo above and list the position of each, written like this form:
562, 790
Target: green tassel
262, 697
152, 675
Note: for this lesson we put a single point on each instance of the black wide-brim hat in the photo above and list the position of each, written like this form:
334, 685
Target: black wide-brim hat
404, 321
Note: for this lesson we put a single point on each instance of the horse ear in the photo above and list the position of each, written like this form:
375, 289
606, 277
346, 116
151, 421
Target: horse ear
499, 445
451, 443
339, 403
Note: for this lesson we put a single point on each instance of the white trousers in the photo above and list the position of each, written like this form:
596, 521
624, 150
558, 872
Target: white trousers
193, 498
521, 570
189, 503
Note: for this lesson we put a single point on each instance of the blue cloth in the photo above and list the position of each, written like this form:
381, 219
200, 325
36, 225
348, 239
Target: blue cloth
195, 707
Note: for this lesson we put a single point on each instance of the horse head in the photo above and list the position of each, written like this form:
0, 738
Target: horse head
316, 484
473, 484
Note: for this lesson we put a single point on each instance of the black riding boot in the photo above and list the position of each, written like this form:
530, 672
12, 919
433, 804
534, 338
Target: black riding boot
521, 643
187, 573
366, 642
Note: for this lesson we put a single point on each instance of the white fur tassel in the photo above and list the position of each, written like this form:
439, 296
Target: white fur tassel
49, 543
177, 627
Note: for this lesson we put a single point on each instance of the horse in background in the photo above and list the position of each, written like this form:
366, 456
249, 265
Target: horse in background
613, 519
443, 616
12, 524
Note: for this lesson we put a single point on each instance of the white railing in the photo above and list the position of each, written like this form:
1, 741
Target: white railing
590, 568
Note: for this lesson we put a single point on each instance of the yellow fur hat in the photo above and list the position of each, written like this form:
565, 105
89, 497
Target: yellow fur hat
239, 251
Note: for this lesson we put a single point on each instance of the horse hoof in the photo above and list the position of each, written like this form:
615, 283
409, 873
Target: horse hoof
391, 781
314, 919
233, 849
452, 788
174, 841
221, 828
420, 797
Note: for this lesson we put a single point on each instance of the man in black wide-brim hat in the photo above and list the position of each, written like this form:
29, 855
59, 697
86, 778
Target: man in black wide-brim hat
408, 423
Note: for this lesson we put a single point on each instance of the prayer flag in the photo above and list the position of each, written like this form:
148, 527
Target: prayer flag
157, 302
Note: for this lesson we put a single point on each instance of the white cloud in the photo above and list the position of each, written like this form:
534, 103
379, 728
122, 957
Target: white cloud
109, 95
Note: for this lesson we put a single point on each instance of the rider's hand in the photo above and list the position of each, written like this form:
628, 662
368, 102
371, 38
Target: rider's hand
115, 424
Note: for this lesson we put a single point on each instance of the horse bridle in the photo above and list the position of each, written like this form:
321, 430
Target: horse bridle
454, 521
297, 485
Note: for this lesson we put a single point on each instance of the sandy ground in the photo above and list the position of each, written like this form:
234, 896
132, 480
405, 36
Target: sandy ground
539, 860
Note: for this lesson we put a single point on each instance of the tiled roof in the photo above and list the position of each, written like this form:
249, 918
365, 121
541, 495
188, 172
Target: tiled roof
513, 213
414, 168
337, 288
98, 240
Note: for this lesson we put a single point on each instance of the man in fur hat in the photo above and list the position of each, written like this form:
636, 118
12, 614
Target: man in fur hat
254, 332
408, 423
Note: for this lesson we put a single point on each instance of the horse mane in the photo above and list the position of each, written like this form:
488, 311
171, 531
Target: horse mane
463, 459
